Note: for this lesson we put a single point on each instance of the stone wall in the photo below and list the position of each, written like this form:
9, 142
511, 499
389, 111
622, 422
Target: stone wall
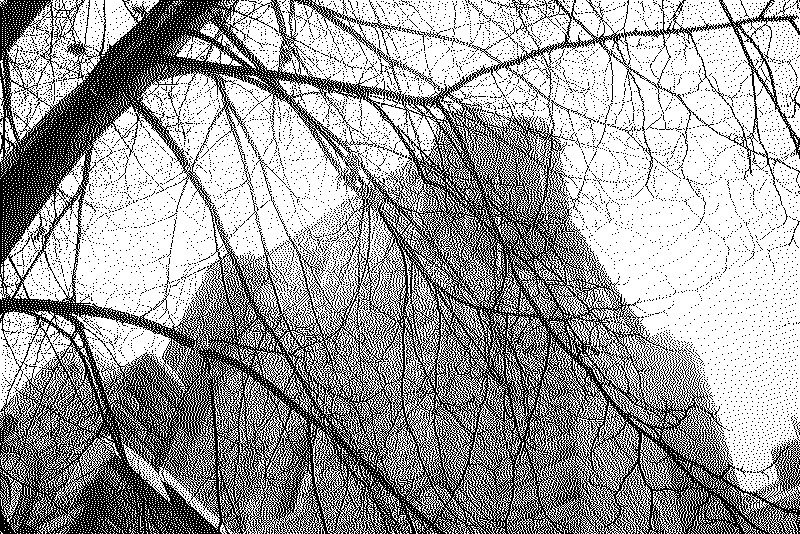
456, 363
472, 351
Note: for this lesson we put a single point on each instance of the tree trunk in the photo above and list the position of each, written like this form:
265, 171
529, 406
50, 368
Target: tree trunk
35, 167
16, 16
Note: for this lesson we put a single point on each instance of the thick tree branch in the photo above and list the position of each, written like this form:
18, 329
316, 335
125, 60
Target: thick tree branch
602, 39
67, 309
33, 170
16, 16
245, 72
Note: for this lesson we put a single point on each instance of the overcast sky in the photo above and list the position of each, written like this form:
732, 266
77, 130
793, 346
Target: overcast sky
743, 317
744, 324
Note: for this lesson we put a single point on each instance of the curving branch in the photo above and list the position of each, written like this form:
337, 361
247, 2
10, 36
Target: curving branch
67, 309
601, 40
244, 72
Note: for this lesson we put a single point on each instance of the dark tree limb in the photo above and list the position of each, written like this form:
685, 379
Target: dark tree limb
16, 16
33, 170
66, 308
5, 528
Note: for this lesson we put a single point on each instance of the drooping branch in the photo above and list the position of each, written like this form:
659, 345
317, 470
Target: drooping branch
67, 309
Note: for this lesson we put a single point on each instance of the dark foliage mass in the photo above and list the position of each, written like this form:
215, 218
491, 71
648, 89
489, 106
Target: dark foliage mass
441, 351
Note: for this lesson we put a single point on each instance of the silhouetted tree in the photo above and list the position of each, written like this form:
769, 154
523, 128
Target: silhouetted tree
442, 351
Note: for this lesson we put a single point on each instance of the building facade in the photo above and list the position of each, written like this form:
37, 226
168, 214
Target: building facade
460, 346
464, 377
59, 469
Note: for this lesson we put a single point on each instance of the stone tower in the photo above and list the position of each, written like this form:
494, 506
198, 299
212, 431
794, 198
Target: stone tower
467, 342
461, 347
